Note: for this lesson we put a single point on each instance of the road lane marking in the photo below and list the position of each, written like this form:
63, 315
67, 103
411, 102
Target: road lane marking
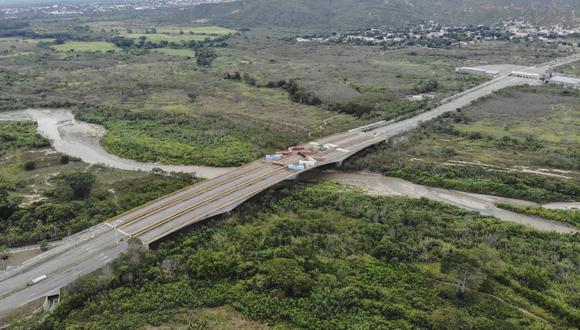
207, 201
190, 195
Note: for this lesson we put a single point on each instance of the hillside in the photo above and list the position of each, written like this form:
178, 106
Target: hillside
351, 13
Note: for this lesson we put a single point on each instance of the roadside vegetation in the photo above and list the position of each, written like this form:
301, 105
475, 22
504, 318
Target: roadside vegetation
571, 217
572, 69
521, 142
324, 257
46, 196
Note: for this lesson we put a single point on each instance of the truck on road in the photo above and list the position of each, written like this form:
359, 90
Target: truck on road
37, 279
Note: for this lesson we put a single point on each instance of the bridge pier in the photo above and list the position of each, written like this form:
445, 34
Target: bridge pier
52, 299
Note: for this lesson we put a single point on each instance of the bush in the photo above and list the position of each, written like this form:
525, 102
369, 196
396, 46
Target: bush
30, 165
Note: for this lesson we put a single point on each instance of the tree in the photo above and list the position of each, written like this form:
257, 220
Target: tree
7, 206
3, 255
426, 86
81, 183
464, 267
192, 96
29, 166
287, 276
64, 159
206, 56
450, 319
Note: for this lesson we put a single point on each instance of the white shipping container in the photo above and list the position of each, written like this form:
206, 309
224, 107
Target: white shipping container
38, 279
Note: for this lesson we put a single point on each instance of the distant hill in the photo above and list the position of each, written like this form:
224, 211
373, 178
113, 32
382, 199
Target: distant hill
358, 13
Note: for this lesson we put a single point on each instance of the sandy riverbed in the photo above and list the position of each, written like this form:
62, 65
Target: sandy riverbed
386, 186
81, 140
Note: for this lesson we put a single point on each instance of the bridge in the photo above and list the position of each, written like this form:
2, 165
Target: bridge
95, 247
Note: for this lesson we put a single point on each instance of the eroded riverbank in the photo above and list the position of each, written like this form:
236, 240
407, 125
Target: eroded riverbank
79, 139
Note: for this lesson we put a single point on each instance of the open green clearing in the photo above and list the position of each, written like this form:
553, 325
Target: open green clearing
175, 52
87, 46
523, 142
323, 257
201, 30
156, 37
46, 196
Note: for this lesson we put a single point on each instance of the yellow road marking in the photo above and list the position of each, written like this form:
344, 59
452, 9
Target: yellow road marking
201, 217
182, 212
168, 195
192, 194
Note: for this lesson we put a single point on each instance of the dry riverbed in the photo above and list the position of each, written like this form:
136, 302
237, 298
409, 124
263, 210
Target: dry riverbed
377, 184
81, 140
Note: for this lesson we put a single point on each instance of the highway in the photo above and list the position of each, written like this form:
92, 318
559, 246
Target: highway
88, 251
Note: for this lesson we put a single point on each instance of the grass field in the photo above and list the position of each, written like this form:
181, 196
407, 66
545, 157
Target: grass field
175, 52
207, 30
91, 46
156, 37
570, 69
341, 73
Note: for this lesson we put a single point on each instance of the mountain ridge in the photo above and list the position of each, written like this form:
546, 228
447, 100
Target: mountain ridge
351, 13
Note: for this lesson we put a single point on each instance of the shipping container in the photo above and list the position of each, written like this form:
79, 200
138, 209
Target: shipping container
273, 157
296, 167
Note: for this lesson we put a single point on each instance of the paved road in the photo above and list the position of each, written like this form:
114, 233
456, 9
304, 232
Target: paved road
89, 252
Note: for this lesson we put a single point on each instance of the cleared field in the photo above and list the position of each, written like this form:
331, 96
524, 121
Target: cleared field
156, 37
340, 73
175, 52
89, 46
215, 30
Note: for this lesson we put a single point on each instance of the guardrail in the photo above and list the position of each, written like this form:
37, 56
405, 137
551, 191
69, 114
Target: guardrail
71, 242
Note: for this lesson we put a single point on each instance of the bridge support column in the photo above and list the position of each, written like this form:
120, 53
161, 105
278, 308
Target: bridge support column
52, 299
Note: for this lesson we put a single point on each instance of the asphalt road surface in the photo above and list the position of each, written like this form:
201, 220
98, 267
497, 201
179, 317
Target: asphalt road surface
101, 244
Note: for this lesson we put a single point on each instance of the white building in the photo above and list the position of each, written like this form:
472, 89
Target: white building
487, 72
566, 81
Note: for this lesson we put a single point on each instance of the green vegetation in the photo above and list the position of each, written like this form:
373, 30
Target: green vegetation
571, 217
19, 135
522, 143
322, 257
83, 46
174, 138
46, 196
570, 69
176, 52
369, 82
167, 37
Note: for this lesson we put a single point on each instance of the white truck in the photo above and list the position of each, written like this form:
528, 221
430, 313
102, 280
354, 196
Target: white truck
37, 279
